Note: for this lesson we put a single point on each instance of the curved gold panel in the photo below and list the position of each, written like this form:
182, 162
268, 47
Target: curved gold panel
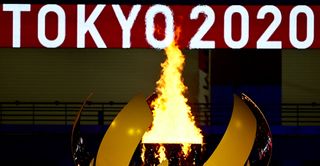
91, 162
124, 134
236, 144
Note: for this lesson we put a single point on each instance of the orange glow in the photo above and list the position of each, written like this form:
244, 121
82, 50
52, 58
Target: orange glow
159, 32
162, 154
143, 151
173, 122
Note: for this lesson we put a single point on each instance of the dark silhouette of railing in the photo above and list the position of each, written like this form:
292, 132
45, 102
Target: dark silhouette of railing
300, 114
63, 113
98, 113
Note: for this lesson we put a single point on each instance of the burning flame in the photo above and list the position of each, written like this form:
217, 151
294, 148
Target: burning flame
162, 154
173, 122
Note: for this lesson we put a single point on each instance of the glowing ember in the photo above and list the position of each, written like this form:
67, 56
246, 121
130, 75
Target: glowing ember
173, 122
162, 154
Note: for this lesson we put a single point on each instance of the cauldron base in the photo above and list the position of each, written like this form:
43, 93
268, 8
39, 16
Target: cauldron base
174, 154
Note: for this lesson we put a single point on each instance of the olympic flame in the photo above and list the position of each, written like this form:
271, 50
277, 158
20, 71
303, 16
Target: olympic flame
173, 122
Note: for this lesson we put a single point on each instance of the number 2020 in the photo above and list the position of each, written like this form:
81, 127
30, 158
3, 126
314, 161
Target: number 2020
264, 41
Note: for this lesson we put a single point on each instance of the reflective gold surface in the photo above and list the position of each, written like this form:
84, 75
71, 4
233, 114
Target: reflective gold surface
236, 144
124, 134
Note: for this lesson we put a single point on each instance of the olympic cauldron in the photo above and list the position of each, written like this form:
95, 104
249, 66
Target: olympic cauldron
246, 141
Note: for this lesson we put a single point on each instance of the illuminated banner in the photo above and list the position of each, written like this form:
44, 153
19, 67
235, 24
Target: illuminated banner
154, 26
